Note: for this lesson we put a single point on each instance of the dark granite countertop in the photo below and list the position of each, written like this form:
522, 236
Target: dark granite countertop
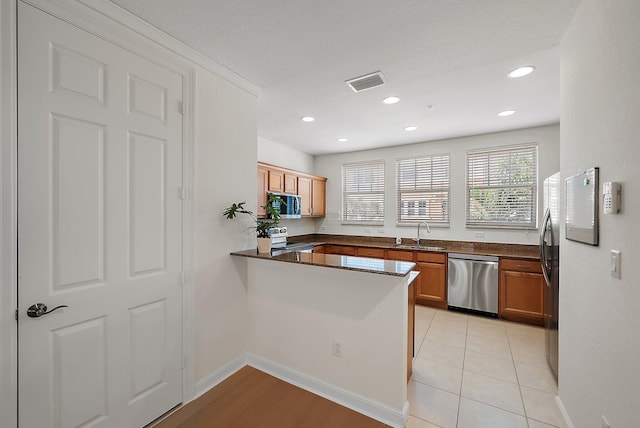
361, 264
520, 251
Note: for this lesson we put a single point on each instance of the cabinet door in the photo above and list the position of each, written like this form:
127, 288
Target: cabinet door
411, 328
291, 184
304, 190
521, 297
319, 198
431, 284
263, 179
276, 181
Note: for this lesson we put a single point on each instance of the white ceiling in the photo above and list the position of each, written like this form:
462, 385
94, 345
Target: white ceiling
452, 54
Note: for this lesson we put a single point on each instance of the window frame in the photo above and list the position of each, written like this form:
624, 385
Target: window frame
375, 195
493, 154
425, 188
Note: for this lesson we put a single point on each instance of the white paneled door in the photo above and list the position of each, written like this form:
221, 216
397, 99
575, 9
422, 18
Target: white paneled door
100, 229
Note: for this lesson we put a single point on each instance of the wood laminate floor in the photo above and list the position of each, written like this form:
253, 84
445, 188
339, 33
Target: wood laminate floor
251, 398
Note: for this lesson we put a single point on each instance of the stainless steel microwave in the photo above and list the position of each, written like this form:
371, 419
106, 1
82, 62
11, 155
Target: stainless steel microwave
290, 208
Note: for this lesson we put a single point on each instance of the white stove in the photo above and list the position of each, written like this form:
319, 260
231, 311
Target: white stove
278, 237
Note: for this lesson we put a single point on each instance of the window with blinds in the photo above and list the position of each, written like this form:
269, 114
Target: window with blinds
363, 193
423, 189
502, 186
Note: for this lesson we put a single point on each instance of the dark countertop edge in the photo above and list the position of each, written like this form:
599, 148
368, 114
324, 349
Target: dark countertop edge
253, 254
530, 253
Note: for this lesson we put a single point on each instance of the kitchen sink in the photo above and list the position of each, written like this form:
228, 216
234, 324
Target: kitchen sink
420, 247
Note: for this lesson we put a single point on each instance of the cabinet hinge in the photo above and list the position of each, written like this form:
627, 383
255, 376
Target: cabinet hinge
181, 107
16, 315
182, 192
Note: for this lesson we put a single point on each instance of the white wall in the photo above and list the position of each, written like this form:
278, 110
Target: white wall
286, 157
599, 315
278, 154
330, 166
225, 172
295, 317
8, 333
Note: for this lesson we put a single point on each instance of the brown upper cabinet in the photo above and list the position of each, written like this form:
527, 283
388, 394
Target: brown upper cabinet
291, 184
276, 181
263, 180
311, 189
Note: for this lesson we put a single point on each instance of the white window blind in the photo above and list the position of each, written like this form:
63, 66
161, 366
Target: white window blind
363, 193
423, 188
502, 186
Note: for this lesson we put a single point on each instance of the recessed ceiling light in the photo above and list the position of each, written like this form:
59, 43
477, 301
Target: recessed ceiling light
506, 113
391, 100
307, 118
521, 71
342, 140
410, 128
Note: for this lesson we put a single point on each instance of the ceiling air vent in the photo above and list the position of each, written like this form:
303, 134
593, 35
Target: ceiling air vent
365, 82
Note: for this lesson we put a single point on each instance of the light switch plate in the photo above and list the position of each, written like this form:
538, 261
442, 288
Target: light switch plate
615, 263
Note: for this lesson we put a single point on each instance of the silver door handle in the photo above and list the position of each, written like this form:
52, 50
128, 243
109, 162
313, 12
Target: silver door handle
39, 309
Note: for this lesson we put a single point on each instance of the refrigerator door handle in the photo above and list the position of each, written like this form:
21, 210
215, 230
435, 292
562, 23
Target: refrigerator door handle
545, 245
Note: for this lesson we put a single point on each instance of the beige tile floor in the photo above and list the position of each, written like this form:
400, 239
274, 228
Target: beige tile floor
476, 372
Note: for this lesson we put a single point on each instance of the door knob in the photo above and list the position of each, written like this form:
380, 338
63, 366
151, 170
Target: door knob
40, 309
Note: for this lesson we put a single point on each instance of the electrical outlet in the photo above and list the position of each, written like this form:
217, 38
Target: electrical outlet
337, 348
605, 422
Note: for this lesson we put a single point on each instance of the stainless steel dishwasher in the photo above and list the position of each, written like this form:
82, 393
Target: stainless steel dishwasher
473, 283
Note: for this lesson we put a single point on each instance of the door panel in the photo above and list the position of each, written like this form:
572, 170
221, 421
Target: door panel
100, 229
80, 403
77, 170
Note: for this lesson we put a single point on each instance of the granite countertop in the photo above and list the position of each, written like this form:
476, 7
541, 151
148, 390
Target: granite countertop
521, 251
361, 264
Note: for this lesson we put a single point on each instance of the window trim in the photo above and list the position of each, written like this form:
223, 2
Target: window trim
533, 224
433, 223
374, 221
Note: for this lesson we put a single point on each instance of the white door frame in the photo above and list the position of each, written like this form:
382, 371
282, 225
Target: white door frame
117, 26
8, 214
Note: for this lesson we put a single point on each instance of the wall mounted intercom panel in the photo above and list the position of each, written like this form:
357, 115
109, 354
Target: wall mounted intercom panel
611, 197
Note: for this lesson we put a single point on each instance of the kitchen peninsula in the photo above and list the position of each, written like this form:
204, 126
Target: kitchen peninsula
336, 325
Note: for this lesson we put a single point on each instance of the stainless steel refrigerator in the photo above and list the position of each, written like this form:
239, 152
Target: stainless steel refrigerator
550, 260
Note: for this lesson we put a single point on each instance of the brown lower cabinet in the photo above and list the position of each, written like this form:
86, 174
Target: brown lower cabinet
343, 250
411, 330
521, 291
431, 289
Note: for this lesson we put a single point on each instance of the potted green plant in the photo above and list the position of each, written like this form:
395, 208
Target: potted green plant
262, 224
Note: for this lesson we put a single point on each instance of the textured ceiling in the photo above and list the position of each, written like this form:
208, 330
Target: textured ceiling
452, 54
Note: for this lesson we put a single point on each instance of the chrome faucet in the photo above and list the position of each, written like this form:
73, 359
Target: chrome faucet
428, 231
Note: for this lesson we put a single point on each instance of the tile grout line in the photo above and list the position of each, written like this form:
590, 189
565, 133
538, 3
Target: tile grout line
515, 369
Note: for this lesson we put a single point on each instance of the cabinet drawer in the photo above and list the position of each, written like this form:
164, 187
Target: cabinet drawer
406, 256
431, 257
521, 265
377, 253
341, 250
320, 249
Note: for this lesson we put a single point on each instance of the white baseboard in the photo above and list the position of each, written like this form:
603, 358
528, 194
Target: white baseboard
565, 414
208, 382
352, 401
